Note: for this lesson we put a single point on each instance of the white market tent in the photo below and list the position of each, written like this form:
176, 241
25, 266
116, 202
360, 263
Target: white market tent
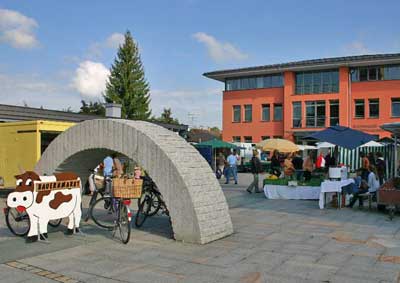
372, 143
306, 147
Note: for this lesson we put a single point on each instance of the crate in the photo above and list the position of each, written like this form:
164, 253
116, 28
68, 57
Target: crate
127, 188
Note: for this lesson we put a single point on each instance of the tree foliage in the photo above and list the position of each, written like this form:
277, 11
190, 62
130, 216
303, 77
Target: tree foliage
166, 117
93, 108
127, 84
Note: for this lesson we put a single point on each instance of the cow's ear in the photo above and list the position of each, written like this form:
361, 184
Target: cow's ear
17, 177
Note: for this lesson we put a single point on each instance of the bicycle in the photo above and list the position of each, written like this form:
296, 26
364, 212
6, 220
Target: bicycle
112, 213
150, 203
18, 222
95, 194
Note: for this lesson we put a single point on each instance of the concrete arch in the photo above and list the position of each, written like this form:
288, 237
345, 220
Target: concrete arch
198, 208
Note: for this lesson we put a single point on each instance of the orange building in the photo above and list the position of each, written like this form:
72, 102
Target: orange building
292, 100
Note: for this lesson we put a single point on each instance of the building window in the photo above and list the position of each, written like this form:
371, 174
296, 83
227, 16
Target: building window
334, 112
315, 114
248, 139
268, 81
248, 113
236, 113
265, 138
359, 108
374, 108
265, 115
374, 73
395, 107
278, 115
317, 82
278, 137
236, 139
296, 114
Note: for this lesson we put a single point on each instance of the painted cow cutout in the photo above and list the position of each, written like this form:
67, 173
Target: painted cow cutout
47, 198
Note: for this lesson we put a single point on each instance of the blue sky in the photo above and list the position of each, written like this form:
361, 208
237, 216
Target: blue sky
54, 53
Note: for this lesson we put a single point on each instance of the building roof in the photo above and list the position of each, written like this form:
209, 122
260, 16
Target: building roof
200, 136
304, 65
9, 113
12, 113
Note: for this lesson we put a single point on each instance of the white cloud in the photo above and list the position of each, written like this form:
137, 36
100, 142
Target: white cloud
37, 91
17, 29
219, 51
357, 48
96, 49
206, 105
90, 79
115, 40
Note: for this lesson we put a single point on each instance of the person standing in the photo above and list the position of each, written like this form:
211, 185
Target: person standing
329, 160
320, 164
380, 167
220, 165
232, 161
256, 169
275, 164
288, 167
118, 170
298, 166
364, 166
108, 173
308, 167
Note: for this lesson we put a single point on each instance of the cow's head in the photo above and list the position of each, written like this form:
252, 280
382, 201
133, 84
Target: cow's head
25, 181
22, 198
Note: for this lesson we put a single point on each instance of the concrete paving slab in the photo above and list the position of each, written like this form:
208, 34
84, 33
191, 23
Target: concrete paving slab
274, 241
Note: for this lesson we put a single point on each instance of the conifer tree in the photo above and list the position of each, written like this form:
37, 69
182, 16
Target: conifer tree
127, 84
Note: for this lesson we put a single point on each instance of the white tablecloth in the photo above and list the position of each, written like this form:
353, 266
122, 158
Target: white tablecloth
331, 187
286, 192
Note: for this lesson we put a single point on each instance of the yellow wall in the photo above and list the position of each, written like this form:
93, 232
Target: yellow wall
20, 145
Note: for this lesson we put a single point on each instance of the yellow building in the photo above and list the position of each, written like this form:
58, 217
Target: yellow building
22, 144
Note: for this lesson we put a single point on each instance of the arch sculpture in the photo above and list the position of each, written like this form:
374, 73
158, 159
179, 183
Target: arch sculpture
198, 208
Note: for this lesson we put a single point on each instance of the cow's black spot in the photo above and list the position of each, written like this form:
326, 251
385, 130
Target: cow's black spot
14, 199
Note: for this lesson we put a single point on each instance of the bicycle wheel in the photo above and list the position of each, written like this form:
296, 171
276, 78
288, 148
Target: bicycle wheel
103, 213
154, 200
124, 224
17, 222
143, 211
55, 222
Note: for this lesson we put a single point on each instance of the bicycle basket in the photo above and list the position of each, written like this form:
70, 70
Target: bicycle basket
127, 188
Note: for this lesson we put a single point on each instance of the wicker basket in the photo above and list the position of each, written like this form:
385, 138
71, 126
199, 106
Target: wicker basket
127, 188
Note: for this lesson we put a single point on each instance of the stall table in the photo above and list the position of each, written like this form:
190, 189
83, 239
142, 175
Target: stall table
291, 192
329, 186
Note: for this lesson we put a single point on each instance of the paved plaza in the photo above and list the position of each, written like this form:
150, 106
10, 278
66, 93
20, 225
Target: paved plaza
273, 241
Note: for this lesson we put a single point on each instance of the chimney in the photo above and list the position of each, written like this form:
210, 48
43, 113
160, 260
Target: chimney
113, 110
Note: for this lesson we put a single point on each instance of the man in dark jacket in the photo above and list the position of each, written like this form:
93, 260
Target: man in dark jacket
255, 170
380, 167
298, 166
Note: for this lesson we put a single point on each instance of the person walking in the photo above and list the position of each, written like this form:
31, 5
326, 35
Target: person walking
232, 170
256, 169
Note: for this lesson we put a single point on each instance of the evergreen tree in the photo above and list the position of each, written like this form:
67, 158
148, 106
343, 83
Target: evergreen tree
127, 84
93, 108
166, 117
